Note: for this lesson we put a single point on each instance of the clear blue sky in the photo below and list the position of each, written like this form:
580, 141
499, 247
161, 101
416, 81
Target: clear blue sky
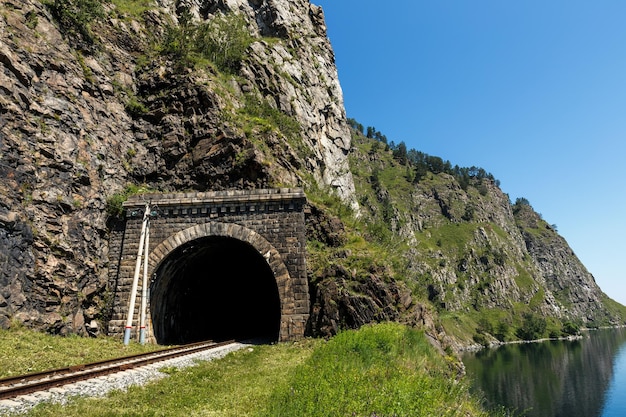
532, 91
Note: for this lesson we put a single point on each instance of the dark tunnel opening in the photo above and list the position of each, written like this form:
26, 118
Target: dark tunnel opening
214, 288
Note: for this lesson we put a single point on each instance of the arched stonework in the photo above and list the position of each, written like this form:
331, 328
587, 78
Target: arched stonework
235, 231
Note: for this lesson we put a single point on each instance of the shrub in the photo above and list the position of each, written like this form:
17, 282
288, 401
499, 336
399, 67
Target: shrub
261, 112
533, 327
136, 108
31, 20
179, 40
75, 16
223, 40
570, 328
484, 325
114, 204
502, 331
481, 339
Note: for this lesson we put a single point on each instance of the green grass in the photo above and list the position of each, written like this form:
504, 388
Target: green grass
115, 201
459, 325
454, 236
524, 280
24, 351
133, 8
235, 386
380, 370
614, 307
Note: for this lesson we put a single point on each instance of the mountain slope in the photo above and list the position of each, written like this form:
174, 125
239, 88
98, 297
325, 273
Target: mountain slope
481, 260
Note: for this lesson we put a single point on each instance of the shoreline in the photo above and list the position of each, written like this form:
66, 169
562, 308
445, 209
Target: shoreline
494, 345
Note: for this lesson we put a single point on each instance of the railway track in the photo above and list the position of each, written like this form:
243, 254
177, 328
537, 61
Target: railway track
15, 386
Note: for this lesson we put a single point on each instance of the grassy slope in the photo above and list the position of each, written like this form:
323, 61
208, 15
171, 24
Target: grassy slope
447, 238
386, 369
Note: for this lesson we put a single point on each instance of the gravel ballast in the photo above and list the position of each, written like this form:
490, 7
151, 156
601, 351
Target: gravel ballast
99, 387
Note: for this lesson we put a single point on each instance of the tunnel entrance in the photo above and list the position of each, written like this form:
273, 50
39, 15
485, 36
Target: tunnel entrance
214, 288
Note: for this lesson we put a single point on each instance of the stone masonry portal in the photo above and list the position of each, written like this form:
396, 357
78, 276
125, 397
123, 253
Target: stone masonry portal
222, 265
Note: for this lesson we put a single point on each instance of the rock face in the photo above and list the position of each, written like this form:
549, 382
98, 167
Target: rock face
349, 298
59, 155
81, 118
486, 266
297, 76
574, 288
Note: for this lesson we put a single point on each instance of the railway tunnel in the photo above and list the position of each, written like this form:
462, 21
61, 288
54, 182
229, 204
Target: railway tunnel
224, 264
214, 288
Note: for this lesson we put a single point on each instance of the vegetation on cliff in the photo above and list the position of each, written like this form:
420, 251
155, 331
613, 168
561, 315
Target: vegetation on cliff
433, 243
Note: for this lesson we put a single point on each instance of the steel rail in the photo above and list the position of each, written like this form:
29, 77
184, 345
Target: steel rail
14, 386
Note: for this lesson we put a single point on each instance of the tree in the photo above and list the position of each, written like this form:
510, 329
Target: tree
502, 331
533, 327
570, 328
400, 153
421, 163
355, 125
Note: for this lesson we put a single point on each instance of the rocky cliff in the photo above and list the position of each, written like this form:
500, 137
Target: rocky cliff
93, 99
99, 100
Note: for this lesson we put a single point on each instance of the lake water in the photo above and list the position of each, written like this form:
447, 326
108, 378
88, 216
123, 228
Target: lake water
581, 378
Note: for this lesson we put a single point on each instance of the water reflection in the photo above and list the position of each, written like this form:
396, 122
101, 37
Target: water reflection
556, 378
615, 404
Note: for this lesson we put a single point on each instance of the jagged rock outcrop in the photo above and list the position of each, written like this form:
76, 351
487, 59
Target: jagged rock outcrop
61, 141
563, 273
343, 299
297, 76
349, 298
487, 267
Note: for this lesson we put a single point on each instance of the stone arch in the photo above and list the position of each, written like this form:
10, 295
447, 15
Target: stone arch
234, 231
